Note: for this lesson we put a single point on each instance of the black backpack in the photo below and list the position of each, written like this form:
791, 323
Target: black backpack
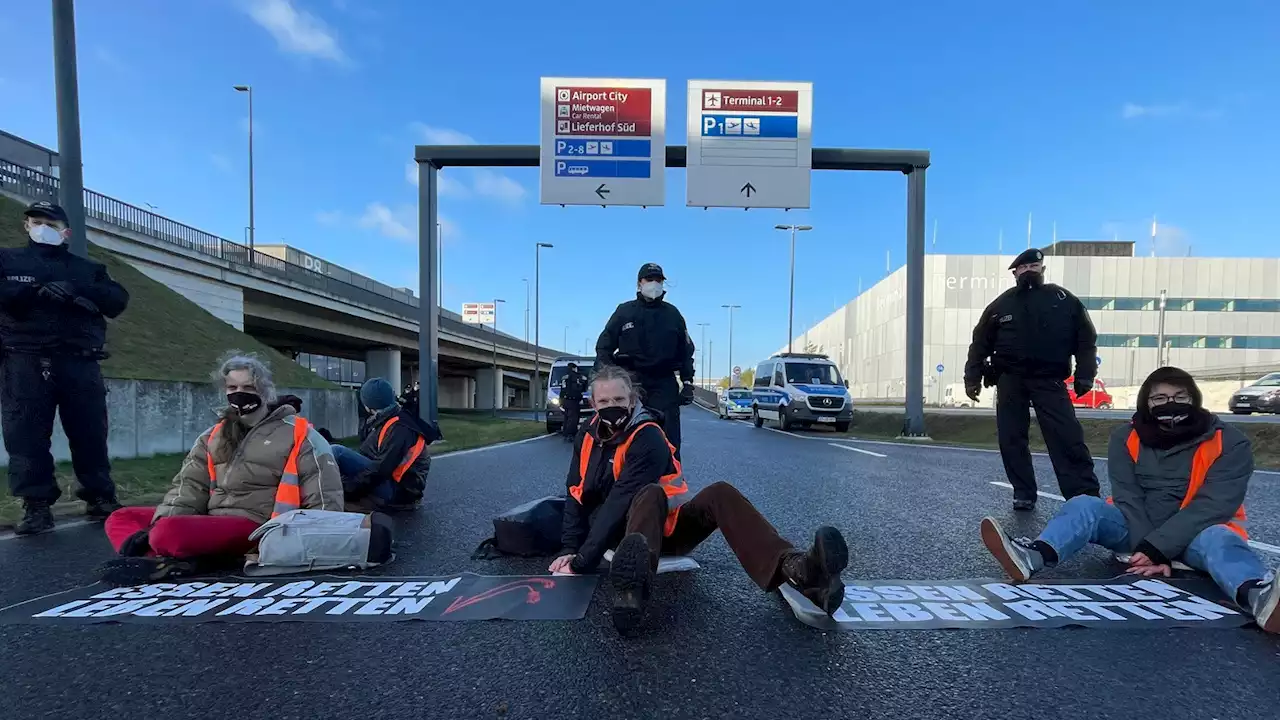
530, 530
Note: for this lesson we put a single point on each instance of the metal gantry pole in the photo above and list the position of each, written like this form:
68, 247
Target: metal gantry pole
70, 163
791, 304
537, 327
428, 310
913, 425
731, 308
497, 377
703, 349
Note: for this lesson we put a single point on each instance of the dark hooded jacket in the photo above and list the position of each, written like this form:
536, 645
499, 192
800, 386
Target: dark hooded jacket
33, 324
396, 440
597, 521
1150, 491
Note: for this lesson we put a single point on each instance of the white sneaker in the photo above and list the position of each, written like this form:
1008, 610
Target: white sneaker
1264, 610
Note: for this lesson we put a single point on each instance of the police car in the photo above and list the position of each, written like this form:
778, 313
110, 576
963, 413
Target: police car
801, 390
735, 402
560, 368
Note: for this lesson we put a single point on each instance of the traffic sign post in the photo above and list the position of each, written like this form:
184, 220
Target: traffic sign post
940, 368
603, 141
479, 313
750, 144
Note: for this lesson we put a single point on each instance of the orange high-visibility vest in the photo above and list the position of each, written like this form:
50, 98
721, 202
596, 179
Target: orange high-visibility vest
409, 457
667, 482
1206, 455
289, 492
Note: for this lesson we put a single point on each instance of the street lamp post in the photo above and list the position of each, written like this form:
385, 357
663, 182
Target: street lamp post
67, 92
536, 390
526, 309
249, 90
791, 307
731, 308
703, 346
439, 265
497, 378
1160, 339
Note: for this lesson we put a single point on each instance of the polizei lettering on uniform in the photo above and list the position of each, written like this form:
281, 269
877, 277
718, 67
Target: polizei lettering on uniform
1120, 602
322, 599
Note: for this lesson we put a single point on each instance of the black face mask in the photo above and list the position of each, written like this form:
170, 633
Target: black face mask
1173, 414
244, 402
612, 421
1030, 280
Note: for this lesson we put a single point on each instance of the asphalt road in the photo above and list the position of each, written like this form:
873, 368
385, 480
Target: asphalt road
715, 646
1081, 412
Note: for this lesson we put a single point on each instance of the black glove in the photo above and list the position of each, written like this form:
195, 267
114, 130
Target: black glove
686, 394
59, 291
1083, 386
86, 304
137, 544
973, 391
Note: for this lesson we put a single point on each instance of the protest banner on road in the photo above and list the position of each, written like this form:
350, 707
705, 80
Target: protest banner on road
327, 598
1124, 602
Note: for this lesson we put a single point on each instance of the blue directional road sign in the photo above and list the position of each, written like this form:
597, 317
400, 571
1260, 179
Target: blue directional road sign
940, 368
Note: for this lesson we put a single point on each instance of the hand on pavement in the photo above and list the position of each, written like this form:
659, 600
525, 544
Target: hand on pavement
1150, 570
561, 565
1139, 559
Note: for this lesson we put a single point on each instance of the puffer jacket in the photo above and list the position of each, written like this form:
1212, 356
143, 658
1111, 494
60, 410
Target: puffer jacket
246, 482
1150, 492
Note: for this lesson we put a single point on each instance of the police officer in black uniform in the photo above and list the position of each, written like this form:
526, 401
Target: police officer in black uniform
649, 337
571, 391
52, 305
1023, 345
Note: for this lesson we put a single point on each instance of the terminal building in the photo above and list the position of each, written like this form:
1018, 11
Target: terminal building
1218, 318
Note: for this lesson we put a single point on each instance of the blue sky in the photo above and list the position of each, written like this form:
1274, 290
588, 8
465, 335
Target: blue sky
1094, 115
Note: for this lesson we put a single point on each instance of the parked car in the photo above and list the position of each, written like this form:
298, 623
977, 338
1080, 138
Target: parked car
1262, 396
1098, 398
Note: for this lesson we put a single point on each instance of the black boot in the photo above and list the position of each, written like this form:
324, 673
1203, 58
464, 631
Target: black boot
96, 508
1024, 505
126, 572
36, 518
816, 574
631, 574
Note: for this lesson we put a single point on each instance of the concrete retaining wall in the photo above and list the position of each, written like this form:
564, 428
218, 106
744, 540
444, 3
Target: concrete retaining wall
149, 417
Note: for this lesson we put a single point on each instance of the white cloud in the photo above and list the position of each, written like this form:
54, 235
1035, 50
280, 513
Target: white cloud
220, 162
1132, 111
104, 56
296, 31
394, 225
329, 217
496, 185
432, 135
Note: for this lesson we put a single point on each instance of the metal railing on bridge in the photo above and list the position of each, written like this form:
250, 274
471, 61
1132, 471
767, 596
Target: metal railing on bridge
35, 185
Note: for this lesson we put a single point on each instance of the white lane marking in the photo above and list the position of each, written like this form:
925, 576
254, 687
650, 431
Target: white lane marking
857, 450
1265, 547
57, 527
456, 453
1041, 493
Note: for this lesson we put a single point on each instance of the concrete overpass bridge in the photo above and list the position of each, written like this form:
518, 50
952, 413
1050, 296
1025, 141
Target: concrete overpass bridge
297, 303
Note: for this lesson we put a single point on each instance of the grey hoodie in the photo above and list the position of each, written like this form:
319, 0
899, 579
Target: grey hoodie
1150, 492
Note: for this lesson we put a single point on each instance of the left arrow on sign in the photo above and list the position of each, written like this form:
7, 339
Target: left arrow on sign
602, 191
748, 189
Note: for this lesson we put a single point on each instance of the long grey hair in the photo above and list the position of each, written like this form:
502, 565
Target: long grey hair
260, 376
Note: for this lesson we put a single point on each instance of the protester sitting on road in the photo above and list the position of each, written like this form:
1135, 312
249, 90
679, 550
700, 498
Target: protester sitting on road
1179, 475
622, 482
260, 460
389, 472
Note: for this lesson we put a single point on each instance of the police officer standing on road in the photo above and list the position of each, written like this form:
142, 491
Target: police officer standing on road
571, 391
1023, 345
52, 305
649, 337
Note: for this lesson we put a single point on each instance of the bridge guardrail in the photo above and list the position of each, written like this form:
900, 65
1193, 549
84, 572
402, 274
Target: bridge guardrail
35, 185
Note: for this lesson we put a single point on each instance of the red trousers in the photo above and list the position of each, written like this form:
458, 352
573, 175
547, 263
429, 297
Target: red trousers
183, 536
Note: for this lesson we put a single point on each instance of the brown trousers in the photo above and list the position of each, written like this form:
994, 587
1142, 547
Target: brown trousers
756, 542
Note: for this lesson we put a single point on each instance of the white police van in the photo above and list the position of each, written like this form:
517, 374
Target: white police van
801, 390
560, 368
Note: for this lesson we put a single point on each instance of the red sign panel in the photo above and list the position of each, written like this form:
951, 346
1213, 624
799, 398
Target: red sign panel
751, 100
604, 111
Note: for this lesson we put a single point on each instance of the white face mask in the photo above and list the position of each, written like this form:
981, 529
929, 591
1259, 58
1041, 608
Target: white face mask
45, 235
651, 290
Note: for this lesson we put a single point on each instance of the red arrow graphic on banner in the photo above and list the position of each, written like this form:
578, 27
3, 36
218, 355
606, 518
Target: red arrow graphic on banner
528, 584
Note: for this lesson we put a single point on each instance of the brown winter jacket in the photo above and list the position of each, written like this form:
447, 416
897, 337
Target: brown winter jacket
247, 481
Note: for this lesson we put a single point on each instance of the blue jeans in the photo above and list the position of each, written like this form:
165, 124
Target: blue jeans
1216, 550
350, 464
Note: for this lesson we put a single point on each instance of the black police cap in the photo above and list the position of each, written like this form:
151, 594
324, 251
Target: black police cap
46, 209
1031, 255
651, 270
